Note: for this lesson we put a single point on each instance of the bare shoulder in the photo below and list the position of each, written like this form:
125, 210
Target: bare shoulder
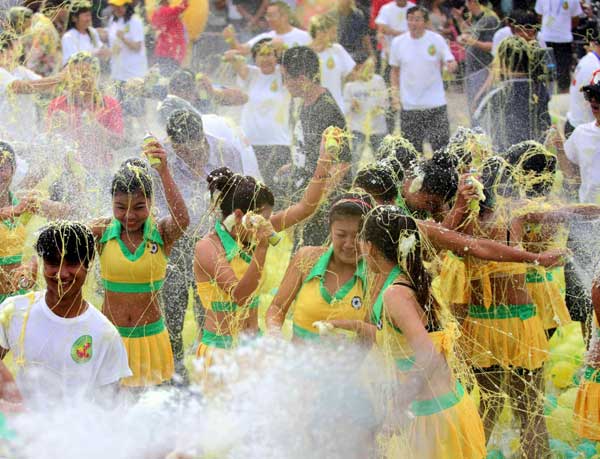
99, 225
306, 258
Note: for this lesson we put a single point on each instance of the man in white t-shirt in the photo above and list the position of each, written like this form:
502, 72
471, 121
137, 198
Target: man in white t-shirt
583, 146
391, 22
579, 109
558, 19
63, 346
284, 35
417, 60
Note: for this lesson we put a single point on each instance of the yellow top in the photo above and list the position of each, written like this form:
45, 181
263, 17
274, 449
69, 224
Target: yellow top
314, 303
212, 296
12, 238
140, 272
484, 271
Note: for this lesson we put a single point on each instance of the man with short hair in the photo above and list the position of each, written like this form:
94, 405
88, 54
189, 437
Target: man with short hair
417, 59
301, 73
63, 346
282, 32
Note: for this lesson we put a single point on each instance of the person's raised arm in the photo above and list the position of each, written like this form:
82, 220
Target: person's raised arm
171, 228
238, 62
563, 214
319, 183
288, 289
465, 194
485, 249
210, 263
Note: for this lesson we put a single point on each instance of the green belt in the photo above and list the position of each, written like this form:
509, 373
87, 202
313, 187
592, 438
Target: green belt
303, 333
405, 364
441, 403
230, 306
211, 339
4, 296
503, 311
125, 287
142, 331
13, 259
534, 277
592, 374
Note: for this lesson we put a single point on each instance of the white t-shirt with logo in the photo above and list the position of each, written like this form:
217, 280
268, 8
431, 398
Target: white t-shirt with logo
295, 37
124, 62
583, 149
266, 116
393, 16
336, 64
420, 61
556, 19
73, 42
58, 357
579, 109
372, 99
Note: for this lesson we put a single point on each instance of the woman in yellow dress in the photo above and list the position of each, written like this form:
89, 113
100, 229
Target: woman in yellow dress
326, 283
416, 344
229, 261
133, 249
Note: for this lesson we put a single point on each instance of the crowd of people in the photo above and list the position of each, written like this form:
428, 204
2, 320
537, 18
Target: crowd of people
444, 250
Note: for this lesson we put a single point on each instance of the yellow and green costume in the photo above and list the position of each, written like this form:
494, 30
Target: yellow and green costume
148, 346
446, 426
215, 299
12, 241
508, 335
454, 282
587, 405
544, 289
314, 303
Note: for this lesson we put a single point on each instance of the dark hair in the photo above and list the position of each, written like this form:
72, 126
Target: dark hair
132, 178
75, 10
514, 55
129, 11
17, 15
7, 152
231, 191
6, 41
532, 159
386, 227
258, 46
136, 162
360, 57
379, 180
494, 181
440, 177
401, 149
182, 81
302, 61
185, 126
351, 205
66, 241
414, 9
522, 18
463, 143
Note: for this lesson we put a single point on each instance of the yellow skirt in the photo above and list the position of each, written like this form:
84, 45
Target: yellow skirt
212, 347
505, 335
149, 353
446, 427
545, 292
455, 285
587, 405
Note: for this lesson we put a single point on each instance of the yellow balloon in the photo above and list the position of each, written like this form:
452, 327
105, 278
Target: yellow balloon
194, 17
561, 374
560, 425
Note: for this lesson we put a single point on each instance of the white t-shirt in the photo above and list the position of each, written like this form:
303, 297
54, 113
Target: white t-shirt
393, 16
556, 19
420, 61
295, 37
124, 62
583, 149
265, 117
500, 35
58, 357
579, 109
17, 111
336, 64
372, 99
73, 42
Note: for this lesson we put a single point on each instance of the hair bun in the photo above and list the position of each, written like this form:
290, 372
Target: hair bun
219, 178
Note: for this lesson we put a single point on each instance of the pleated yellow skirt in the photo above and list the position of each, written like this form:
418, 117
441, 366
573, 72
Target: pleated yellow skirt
149, 354
587, 405
505, 335
545, 292
454, 281
445, 427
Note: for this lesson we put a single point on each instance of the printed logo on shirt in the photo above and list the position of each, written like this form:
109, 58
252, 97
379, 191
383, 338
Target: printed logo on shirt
81, 351
565, 5
401, 16
330, 63
153, 246
274, 86
379, 324
431, 50
356, 302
